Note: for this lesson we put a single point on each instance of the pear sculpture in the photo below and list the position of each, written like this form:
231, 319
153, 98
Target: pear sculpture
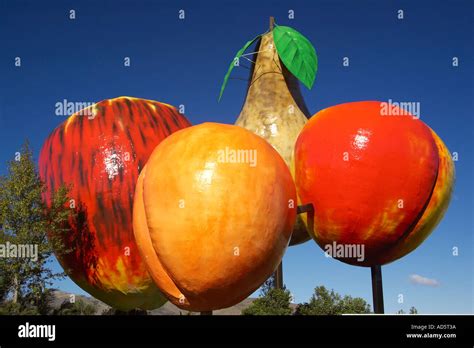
274, 107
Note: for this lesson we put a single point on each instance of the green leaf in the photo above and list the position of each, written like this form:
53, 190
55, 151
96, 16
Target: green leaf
296, 53
232, 64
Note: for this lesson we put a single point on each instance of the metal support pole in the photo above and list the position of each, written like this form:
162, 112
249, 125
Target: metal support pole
377, 289
279, 276
306, 208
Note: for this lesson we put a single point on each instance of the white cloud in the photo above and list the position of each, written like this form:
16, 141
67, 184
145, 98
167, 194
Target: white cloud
418, 279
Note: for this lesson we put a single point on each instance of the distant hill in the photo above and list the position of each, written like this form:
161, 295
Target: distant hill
58, 297
167, 309
170, 309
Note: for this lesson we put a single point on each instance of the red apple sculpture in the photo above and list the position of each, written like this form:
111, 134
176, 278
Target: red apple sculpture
378, 181
100, 151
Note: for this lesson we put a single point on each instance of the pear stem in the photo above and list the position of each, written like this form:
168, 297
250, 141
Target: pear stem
272, 23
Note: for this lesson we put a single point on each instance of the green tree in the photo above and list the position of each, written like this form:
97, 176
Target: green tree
325, 302
113, 311
75, 308
271, 301
268, 285
25, 223
4, 280
412, 310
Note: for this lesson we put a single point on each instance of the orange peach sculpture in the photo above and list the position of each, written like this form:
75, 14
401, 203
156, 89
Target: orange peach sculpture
213, 213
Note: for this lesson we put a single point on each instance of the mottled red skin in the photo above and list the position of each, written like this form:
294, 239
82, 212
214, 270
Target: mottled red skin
101, 155
357, 201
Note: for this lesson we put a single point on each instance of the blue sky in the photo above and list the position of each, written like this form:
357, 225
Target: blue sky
184, 61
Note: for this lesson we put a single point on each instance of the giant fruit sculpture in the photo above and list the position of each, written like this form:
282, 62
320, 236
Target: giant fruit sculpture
213, 215
378, 180
100, 152
274, 107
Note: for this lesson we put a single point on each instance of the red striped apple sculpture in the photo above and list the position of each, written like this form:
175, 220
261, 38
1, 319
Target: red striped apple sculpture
375, 180
100, 152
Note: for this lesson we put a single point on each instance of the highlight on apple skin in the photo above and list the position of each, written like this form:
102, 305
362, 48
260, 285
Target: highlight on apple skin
213, 215
378, 181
